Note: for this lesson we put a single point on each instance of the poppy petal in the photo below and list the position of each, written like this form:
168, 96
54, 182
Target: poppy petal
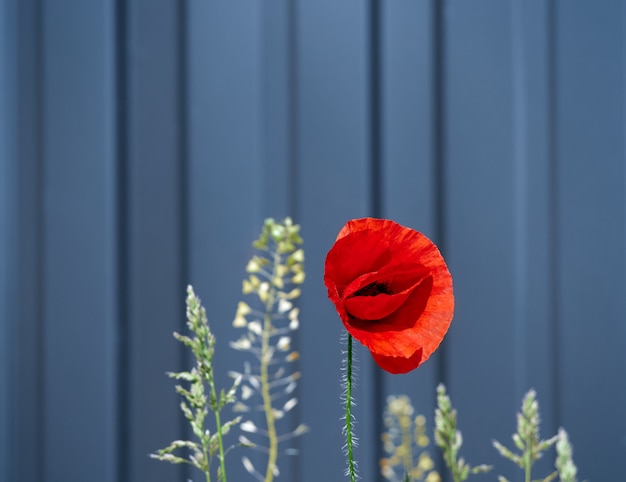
391, 279
375, 306
398, 334
372, 308
398, 364
352, 256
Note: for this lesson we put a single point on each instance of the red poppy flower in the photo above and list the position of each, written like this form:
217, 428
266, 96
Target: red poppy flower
392, 290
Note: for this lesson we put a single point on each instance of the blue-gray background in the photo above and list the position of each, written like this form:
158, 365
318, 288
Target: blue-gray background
143, 142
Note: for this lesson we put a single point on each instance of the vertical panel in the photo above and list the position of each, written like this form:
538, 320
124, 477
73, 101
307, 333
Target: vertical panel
278, 109
28, 331
79, 231
480, 180
8, 205
154, 224
591, 202
226, 174
333, 182
370, 401
408, 150
534, 226
532, 102
279, 196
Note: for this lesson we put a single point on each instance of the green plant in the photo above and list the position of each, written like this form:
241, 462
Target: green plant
274, 274
450, 440
564, 463
527, 440
200, 398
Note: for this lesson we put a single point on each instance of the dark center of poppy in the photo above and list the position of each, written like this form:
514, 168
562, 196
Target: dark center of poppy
373, 289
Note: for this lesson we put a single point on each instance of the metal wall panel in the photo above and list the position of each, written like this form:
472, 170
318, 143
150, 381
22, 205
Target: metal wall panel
410, 152
153, 168
591, 212
79, 307
334, 184
151, 138
226, 177
7, 227
26, 391
480, 217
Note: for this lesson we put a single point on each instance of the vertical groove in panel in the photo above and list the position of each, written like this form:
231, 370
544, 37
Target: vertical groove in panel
155, 303
8, 206
5, 201
439, 156
183, 151
623, 165
40, 261
520, 191
376, 392
113, 275
293, 116
183, 145
183, 188
553, 207
376, 181
28, 396
439, 147
123, 342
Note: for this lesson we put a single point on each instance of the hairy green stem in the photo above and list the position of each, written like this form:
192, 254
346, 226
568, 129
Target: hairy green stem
351, 468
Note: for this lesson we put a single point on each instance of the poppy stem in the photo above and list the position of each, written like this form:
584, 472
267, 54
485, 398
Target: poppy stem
351, 468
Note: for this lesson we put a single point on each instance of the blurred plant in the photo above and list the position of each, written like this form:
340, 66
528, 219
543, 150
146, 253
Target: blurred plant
197, 402
527, 440
405, 442
269, 330
449, 439
564, 463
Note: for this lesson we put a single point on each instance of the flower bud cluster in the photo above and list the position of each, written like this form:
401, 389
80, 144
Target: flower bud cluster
405, 442
269, 320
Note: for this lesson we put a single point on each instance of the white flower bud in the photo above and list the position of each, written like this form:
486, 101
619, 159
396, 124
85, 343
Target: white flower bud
255, 327
284, 306
248, 426
284, 342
